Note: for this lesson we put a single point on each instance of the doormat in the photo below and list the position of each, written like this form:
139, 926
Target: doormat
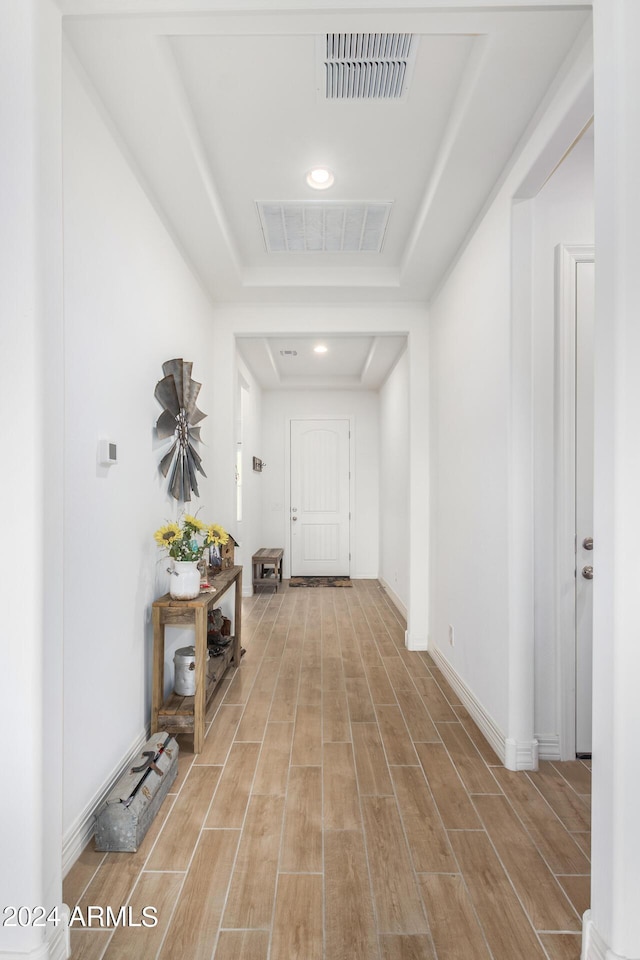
320, 582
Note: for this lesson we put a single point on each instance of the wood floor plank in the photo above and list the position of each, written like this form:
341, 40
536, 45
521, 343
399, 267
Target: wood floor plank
232, 793
399, 907
568, 806
435, 700
253, 882
118, 872
242, 682
398, 946
420, 725
307, 736
562, 946
283, 706
482, 745
539, 892
584, 842
254, 718
359, 700
578, 889
302, 838
451, 798
450, 695
395, 736
473, 771
81, 874
427, 838
273, 765
350, 928
556, 845
159, 890
576, 774
371, 765
242, 945
332, 673
336, 725
195, 923
340, 788
504, 922
399, 676
88, 944
177, 841
220, 735
297, 922
379, 685
455, 929
310, 689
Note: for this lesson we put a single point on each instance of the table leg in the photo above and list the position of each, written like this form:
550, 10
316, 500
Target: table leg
200, 699
237, 622
157, 690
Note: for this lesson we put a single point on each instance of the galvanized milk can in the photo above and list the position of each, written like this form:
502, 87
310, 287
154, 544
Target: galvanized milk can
184, 662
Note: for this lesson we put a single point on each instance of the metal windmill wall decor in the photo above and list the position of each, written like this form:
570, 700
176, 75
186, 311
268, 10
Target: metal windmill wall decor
177, 394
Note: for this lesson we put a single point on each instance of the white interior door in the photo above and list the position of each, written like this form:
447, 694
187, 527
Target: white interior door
320, 485
584, 501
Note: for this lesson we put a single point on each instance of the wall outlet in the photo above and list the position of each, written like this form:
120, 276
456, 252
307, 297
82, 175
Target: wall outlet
452, 639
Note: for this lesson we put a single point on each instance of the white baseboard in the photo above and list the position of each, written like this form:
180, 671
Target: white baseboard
413, 642
79, 834
593, 946
56, 946
520, 754
395, 599
491, 731
549, 746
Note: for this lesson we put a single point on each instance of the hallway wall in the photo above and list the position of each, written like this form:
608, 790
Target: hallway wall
563, 213
394, 482
130, 304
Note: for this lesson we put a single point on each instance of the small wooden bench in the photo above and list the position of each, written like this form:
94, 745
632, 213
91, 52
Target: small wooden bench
267, 567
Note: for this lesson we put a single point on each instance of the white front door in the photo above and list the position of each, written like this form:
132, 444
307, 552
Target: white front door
585, 271
320, 486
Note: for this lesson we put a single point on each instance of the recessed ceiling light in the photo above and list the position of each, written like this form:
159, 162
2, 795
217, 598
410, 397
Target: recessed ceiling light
320, 178
320, 349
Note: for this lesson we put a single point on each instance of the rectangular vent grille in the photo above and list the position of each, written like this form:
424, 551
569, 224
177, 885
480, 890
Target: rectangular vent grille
367, 66
324, 227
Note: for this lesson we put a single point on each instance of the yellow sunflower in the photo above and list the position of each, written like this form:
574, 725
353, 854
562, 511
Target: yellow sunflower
194, 522
165, 536
217, 534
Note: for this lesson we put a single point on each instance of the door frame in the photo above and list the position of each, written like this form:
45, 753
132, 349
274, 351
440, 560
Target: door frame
287, 485
568, 256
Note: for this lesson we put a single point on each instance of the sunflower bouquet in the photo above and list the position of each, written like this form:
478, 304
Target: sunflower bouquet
189, 539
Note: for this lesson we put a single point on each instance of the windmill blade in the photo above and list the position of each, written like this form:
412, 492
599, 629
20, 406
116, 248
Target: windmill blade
186, 482
174, 483
192, 473
167, 396
192, 389
166, 425
175, 369
165, 463
193, 453
196, 416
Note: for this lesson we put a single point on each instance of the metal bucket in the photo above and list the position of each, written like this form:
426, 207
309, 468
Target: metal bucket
184, 662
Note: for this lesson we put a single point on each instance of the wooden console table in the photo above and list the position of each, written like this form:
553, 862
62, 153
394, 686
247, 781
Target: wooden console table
187, 714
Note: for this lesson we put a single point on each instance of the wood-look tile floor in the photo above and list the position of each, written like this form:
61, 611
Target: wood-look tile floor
346, 807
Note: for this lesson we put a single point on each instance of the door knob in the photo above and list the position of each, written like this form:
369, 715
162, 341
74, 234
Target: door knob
587, 573
587, 543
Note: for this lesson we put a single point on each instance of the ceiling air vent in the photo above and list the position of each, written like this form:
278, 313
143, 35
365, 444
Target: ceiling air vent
289, 353
367, 66
324, 227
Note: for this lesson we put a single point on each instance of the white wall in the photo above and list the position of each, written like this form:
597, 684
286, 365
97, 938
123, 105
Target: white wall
31, 479
249, 531
279, 407
394, 483
563, 213
130, 304
482, 516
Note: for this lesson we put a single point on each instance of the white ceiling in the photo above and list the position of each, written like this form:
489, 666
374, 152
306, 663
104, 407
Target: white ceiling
218, 111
